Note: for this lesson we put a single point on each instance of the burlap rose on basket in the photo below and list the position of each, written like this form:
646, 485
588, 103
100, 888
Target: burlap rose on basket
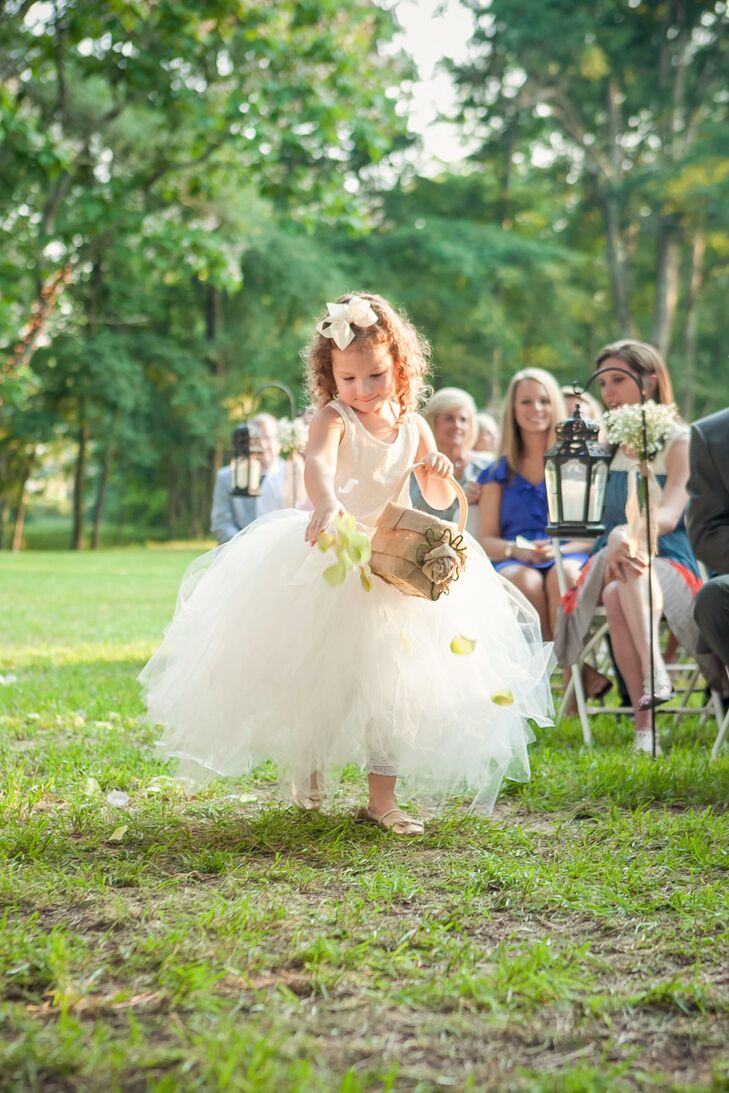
419, 554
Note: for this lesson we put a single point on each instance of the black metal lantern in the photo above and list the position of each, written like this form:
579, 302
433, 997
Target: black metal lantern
575, 472
246, 462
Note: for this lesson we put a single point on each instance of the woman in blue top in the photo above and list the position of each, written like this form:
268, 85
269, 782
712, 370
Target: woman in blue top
617, 573
513, 501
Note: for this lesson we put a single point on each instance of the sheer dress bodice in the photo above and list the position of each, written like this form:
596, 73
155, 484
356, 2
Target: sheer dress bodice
369, 469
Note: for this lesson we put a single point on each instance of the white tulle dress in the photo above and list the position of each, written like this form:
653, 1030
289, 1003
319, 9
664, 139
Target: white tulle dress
264, 660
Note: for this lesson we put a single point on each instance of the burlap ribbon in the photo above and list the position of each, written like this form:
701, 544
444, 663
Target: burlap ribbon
635, 515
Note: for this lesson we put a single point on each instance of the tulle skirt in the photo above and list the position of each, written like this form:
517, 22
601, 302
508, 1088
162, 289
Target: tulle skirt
264, 660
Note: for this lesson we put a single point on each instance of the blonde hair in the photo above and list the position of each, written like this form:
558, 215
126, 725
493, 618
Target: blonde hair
486, 423
644, 360
410, 354
452, 398
512, 445
589, 406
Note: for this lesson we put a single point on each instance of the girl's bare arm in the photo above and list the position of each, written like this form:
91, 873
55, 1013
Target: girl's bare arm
326, 429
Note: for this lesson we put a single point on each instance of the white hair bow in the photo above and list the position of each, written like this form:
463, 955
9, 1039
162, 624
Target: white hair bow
338, 324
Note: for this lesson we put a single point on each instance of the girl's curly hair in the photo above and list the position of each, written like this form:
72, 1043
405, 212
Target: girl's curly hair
410, 354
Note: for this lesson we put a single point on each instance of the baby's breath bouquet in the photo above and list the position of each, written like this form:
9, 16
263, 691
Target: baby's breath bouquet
292, 435
625, 426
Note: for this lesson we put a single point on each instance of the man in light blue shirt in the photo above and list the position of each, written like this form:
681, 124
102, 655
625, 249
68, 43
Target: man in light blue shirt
230, 514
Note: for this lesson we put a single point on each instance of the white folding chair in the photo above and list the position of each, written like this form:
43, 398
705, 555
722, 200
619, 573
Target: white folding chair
722, 721
685, 674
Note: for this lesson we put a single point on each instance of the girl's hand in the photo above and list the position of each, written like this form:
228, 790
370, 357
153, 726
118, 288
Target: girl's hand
322, 516
622, 562
472, 491
437, 465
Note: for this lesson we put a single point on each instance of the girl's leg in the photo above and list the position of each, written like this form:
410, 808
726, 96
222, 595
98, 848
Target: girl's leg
382, 807
308, 794
625, 651
531, 583
381, 793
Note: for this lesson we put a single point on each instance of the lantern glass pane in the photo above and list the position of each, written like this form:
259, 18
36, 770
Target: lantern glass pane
254, 474
550, 478
239, 467
574, 489
597, 491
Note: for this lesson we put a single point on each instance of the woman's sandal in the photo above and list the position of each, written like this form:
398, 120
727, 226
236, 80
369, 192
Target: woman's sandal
394, 820
662, 690
595, 684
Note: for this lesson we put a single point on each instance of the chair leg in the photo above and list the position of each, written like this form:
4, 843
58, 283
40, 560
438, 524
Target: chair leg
566, 697
576, 680
721, 735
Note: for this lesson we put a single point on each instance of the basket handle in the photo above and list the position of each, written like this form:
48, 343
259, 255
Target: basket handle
460, 495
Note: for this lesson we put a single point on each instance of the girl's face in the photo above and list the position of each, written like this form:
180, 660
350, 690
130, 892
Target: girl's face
452, 428
532, 408
364, 376
617, 389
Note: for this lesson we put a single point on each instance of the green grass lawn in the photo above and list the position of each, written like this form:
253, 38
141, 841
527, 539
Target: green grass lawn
576, 941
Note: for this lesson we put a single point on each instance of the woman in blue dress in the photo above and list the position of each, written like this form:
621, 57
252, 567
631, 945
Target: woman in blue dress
513, 503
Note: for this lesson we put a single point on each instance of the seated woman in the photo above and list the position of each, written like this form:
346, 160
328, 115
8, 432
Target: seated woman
451, 414
617, 573
513, 501
487, 437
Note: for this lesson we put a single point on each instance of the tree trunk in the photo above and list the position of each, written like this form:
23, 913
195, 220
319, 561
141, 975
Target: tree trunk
84, 432
213, 318
506, 222
3, 522
20, 511
666, 297
217, 460
617, 263
691, 327
175, 506
101, 494
79, 481
194, 503
119, 532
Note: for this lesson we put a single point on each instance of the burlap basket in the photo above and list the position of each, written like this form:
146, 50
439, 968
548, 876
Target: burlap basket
419, 554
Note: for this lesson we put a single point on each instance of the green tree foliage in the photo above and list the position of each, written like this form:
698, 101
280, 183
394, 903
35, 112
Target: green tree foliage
148, 135
629, 100
207, 174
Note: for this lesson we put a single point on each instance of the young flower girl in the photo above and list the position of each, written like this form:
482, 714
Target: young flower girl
264, 659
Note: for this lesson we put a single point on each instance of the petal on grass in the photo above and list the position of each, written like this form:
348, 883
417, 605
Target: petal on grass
118, 833
117, 798
462, 647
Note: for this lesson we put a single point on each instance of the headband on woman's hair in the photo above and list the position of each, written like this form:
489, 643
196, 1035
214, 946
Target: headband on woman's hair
337, 325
